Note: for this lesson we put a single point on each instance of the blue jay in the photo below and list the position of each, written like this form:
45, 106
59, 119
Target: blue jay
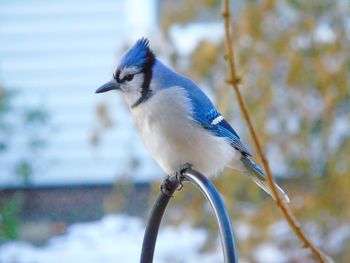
177, 121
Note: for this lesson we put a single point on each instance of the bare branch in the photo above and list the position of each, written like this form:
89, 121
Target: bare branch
234, 81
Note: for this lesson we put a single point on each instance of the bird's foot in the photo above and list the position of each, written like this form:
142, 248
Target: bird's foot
179, 173
164, 187
166, 184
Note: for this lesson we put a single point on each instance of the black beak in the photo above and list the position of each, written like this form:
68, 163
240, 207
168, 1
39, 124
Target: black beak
111, 85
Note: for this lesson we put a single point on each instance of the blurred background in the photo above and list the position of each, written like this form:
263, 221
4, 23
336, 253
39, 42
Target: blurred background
77, 184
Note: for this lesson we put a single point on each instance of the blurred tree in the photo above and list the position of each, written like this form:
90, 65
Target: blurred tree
296, 60
18, 122
9, 221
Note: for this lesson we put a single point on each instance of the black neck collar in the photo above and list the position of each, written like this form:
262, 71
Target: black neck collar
142, 99
146, 92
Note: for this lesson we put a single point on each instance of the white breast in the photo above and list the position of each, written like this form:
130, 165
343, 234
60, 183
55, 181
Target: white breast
173, 138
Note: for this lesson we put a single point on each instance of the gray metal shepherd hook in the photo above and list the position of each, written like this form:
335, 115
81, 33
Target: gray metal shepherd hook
211, 194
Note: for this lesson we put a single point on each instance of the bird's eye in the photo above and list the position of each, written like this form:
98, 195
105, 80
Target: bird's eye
129, 77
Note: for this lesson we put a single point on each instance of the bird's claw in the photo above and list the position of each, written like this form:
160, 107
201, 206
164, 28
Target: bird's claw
183, 167
179, 174
164, 187
180, 183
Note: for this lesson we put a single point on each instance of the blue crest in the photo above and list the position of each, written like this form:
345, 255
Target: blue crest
140, 55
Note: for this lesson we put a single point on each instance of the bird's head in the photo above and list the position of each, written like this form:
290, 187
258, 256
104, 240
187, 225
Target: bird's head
133, 74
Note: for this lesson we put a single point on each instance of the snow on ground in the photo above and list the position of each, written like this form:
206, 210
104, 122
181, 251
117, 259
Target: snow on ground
116, 238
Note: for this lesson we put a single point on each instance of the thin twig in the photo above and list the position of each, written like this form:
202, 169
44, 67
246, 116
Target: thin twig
234, 80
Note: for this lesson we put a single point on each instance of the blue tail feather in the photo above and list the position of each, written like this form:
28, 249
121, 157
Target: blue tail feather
257, 175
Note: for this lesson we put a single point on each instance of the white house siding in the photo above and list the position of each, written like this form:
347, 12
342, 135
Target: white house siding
56, 53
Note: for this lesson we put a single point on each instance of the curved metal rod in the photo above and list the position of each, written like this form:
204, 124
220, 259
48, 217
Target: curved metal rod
151, 232
211, 194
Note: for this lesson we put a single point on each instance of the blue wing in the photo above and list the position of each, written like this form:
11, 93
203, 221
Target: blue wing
205, 114
213, 121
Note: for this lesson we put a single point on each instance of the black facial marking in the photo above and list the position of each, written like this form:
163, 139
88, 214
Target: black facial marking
116, 76
147, 71
128, 77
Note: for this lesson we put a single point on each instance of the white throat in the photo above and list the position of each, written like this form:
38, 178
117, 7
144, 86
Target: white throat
131, 97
